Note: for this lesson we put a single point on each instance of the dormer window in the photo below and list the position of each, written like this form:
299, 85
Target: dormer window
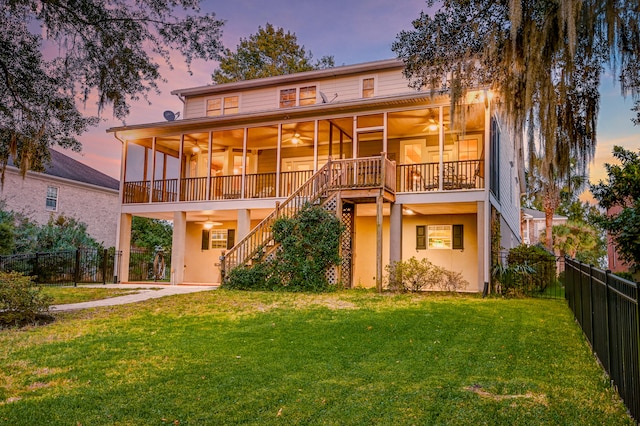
287, 98
368, 87
298, 96
222, 106
308, 95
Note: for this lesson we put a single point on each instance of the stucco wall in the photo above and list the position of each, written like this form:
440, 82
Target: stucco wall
97, 207
464, 261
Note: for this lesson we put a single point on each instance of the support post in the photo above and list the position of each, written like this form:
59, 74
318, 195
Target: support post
379, 218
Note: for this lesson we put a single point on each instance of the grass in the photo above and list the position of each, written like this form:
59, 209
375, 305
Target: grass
65, 295
226, 357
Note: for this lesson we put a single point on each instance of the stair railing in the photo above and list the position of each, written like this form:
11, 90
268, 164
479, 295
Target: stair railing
334, 175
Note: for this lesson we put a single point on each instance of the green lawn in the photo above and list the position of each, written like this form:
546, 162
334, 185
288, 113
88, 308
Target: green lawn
65, 295
223, 357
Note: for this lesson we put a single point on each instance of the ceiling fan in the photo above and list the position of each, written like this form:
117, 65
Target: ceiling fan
296, 139
208, 224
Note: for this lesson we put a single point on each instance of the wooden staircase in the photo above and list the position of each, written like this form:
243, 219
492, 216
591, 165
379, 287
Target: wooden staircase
358, 179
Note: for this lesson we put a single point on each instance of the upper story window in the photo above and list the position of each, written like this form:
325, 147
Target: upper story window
222, 106
368, 87
51, 203
287, 98
298, 96
308, 95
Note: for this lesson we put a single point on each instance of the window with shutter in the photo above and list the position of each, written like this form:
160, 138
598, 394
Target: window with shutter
458, 237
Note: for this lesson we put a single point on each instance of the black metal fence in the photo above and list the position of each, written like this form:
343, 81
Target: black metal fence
60, 268
608, 310
149, 265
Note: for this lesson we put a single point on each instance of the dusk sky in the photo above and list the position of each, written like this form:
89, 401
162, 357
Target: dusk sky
353, 31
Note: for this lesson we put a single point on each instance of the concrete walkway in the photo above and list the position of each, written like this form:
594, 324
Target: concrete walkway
142, 292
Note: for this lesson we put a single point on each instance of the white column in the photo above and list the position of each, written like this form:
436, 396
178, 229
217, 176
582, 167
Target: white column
244, 223
124, 246
379, 219
395, 233
178, 247
483, 237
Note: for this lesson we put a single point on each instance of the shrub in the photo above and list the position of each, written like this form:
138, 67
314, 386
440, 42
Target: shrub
21, 302
417, 275
308, 246
528, 270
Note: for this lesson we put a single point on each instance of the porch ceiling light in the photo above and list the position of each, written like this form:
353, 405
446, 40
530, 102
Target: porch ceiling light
409, 211
210, 224
295, 139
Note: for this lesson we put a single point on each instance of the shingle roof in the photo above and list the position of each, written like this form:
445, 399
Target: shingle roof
68, 168
537, 214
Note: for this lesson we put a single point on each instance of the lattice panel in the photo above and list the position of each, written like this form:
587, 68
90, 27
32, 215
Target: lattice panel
346, 243
332, 275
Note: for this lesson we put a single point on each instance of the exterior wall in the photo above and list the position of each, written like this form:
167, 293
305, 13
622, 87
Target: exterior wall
464, 261
200, 265
95, 206
346, 88
509, 203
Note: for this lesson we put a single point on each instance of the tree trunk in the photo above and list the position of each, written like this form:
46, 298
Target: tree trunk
550, 201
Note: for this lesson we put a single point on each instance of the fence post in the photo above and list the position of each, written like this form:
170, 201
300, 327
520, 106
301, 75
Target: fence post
633, 399
76, 272
608, 320
591, 313
104, 266
36, 268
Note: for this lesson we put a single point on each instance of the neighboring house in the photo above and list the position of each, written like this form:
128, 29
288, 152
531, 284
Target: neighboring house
390, 161
615, 263
533, 225
66, 187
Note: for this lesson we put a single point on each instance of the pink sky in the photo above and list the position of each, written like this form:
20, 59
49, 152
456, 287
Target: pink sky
353, 32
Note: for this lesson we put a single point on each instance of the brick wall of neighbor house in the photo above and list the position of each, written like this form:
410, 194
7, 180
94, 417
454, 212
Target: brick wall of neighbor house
95, 206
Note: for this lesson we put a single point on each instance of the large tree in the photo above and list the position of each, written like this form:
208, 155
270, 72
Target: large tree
57, 54
620, 197
269, 52
543, 60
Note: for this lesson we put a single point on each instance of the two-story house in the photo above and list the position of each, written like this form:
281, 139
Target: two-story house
66, 187
400, 169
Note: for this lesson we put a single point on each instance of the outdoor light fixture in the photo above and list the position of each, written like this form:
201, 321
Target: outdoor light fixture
295, 139
210, 224
409, 211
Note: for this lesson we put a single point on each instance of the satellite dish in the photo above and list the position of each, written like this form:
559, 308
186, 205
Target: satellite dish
324, 98
170, 115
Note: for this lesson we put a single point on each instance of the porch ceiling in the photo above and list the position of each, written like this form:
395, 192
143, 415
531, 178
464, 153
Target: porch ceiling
422, 209
203, 215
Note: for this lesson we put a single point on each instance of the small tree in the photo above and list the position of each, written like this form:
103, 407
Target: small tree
151, 233
64, 233
621, 192
21, 302
267, 53
580, 241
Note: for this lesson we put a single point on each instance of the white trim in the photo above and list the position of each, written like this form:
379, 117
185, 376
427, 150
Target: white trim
297, 89
57, 198
222, 98
361, 85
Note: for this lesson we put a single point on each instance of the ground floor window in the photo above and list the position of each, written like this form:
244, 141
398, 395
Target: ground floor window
445, 237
